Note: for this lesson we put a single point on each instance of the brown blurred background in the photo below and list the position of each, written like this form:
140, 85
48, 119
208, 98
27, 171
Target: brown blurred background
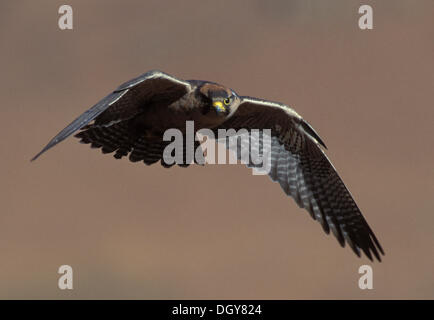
131, 231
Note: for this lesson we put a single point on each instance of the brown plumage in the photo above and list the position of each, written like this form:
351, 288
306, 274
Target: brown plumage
132, 119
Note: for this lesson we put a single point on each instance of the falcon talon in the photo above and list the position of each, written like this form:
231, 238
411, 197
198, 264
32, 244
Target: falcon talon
131, 121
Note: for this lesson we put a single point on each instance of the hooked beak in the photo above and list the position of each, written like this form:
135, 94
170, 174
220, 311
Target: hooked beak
218, 105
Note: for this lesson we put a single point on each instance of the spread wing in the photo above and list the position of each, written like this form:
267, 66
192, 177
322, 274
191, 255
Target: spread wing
124, 103
304, 172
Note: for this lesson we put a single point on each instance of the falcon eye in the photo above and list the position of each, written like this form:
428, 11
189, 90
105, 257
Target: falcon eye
227, 101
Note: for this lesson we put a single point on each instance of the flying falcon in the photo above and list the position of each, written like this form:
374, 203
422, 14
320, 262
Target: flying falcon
132, 119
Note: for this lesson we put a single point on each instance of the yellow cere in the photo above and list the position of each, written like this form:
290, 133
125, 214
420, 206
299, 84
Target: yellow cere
219, 106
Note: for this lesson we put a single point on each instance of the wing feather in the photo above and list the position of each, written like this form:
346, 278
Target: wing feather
125, 102
304, 172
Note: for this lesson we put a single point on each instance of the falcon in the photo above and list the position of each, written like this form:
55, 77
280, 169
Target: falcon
132, 119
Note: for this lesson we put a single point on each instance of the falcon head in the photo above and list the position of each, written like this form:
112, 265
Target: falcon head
220, 99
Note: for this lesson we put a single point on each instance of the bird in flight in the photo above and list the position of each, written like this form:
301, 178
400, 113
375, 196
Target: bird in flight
132, 119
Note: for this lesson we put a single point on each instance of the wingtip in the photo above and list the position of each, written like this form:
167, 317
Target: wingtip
36, 157
40, 152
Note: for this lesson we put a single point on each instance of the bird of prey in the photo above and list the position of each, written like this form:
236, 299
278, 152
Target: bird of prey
131, 121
